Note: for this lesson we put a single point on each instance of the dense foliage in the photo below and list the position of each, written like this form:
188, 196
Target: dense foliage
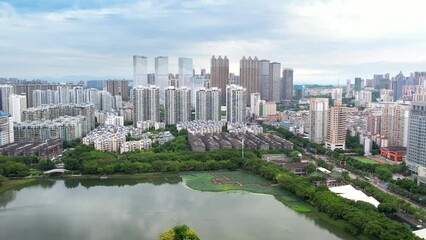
2, 180
16, 166
410, 190
181, 232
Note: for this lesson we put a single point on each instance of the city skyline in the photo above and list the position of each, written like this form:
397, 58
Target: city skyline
83, 44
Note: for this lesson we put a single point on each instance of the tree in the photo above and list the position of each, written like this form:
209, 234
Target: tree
310, 168
45, 165
181, 232
2, 180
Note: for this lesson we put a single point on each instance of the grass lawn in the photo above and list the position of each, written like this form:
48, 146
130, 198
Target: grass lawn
365, 160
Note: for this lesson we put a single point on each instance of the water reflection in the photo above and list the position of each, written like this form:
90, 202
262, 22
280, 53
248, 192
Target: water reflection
143, 208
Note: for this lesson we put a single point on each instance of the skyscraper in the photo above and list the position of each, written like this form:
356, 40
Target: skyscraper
6, 129
264, 79
348, 88
140, 70
398, 83
236, 99
336, 128
336, 94
394, 125
5, 92
287, 85
318, 110
357, 84
219, 70
207, 106
17, 104
177, 105
185, 71
162, 74
249, 75
416, 138
146, 104
275, 81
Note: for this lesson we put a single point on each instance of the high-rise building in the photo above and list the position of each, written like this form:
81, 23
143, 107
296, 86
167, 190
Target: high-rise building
318, 110
336, 128
254, 104
118, 87
236, 99
17, 104
249, 75
39, 98
357, 84
219, 70
275, 81
386, 95
5, 92
394, 124
146, 104
64, 93
107, 101
162, 74
76, 95
287, 85
6, 129
92, 96
416, 146
185, 71
336, 94
348, 88
98, 84
264, 79
177, 105
140, 70
151, 79
299, 92
398, 83
207, 106
374, 121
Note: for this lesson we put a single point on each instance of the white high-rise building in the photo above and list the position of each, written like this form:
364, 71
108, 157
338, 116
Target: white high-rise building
6, 129
107, 100
207, 105
39, 98
5, 92
140, 76
318, 109
17, 104
146, 104
64, 94
185, 71
254, 104
162, 74
348, 88
177, 105
236, 103
77, 95
336, 94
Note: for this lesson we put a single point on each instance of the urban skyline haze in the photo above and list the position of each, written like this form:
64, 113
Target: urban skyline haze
323, 41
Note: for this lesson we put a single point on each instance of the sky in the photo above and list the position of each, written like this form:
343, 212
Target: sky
324, 41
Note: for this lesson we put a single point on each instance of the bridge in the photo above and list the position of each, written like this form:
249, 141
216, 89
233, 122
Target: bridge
57, 170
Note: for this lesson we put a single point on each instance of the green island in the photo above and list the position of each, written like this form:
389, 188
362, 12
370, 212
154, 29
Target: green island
221, 181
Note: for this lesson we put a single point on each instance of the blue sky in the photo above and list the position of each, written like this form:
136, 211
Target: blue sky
323, 41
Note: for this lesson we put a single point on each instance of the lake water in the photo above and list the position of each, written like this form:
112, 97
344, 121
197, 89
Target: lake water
143, 209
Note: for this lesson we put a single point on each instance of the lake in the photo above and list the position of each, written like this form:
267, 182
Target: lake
144, 208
